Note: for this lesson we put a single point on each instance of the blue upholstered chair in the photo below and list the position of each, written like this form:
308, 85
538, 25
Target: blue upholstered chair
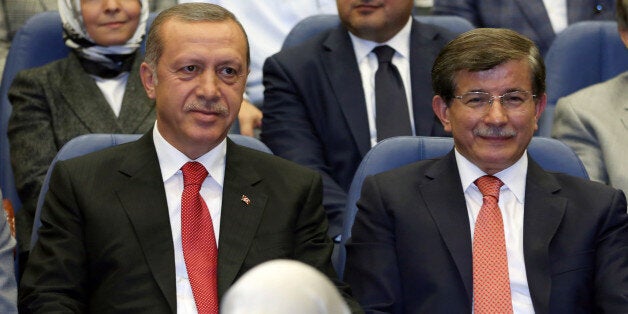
583, 54
313, 25
551, 154
88, 143
38, 42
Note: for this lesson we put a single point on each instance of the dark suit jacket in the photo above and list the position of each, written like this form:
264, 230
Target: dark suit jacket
528, 17
410, 250
105, 245
53, 104
315, 112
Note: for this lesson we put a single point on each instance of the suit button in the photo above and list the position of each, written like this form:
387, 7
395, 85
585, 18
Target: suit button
598, 8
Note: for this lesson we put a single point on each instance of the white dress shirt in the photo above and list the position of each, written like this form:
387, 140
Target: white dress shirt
170, 162
557, 12
511, 205
367, 63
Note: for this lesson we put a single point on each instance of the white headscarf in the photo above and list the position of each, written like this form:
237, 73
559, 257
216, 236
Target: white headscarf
283, 287
77, 38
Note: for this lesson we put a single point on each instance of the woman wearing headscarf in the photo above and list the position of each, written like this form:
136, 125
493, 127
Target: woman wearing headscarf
96, 89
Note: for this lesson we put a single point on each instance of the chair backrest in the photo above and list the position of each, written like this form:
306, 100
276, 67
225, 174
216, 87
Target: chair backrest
313, 25
88, 143
551, 154
38, 42
583, 54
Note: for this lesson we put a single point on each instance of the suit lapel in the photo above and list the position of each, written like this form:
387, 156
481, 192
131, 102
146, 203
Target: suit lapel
449, 211
344, 77
136, 106
421, 49
239, 218
535, 13
543, 213
85, 99
143, 197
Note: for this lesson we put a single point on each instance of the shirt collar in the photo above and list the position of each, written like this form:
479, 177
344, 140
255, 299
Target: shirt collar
400, 42
513, 177
171, 159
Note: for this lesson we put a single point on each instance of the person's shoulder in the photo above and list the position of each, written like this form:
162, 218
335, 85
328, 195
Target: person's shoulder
412, 171
597, 92
50, 67
432, 31
582, 189
310, 48
268, 163
103, 159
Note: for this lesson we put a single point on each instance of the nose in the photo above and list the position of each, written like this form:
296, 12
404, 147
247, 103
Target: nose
111, 6
207, 87
496, 113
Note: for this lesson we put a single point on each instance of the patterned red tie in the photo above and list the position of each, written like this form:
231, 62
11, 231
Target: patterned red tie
198, 239
491, 283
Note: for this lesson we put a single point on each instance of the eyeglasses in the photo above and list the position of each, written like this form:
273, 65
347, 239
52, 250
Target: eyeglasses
482, 101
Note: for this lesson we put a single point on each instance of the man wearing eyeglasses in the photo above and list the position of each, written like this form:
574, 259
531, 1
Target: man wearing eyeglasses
484, 228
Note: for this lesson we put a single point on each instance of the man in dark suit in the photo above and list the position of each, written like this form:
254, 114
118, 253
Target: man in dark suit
428, 238
119, 234
532, 18
319, 103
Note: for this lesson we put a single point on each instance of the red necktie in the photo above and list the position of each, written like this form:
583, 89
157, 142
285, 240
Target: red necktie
198, 239
491, 283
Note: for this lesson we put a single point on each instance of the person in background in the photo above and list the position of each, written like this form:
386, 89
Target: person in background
321, 108
539, 20
166, 224
8, 286
283, 287
96, 89
485, 229
593, 121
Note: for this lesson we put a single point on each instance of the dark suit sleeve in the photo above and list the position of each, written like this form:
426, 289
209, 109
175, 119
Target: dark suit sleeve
313, 246
611, 279
33, 147
466, 9
372, 268
289, 132
55, 279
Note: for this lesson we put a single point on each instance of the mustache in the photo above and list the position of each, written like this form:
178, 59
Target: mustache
494, 132
207, 107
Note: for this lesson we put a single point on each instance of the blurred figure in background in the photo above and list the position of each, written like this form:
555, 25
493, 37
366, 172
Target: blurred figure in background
328, 100
594, 121
96, 89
